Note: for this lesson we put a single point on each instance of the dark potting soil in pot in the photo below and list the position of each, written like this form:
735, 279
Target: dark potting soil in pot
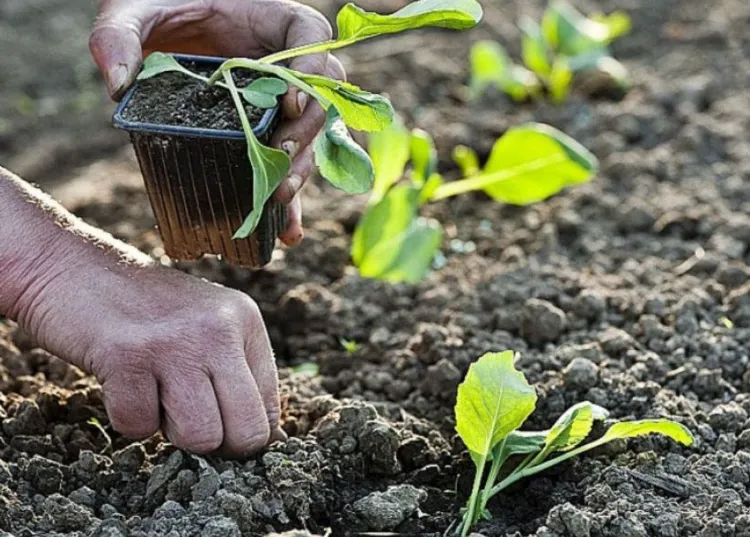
179, 100
200, 187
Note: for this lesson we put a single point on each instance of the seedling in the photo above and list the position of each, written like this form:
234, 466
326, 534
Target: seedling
349, 345
340, 159
306, 369
392, 242
493, 403
96, 424
565, 45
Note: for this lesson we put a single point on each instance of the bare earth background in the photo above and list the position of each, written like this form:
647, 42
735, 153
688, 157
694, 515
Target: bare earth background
616, 292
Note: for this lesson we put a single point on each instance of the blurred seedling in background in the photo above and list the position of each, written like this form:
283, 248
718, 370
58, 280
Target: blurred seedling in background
567, 49
339, 158
349, 346
493, 403
395, 243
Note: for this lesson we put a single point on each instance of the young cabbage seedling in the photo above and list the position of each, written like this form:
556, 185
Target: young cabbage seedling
392, 242
340, 159
493, 403
566, 44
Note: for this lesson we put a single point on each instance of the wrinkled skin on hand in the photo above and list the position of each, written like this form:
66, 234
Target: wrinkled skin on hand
171, 351
181, 354
126, 30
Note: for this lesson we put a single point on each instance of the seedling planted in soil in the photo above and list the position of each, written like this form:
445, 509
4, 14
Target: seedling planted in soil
340, 159
493, 403
392, 242
567, 45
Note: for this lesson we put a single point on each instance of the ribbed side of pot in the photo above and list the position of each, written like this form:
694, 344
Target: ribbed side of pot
201, 190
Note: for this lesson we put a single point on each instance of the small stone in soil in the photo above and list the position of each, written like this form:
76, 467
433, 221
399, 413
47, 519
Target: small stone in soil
581, 374
383, 511
542, 321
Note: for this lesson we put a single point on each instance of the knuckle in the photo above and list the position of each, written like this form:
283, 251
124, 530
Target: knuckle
229, 316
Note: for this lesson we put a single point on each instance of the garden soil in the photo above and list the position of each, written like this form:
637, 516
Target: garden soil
632, 292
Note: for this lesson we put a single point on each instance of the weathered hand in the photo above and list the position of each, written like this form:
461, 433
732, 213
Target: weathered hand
197, 351
171, 351
127, 29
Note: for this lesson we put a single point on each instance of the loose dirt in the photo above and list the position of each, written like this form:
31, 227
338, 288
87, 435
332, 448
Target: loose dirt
178, 100
641, 280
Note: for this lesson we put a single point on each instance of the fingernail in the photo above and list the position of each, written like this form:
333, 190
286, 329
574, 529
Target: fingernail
278, 435
117, 79
295, 183
302, 100
290, 147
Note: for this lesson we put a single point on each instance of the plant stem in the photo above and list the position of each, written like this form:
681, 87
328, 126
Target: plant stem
246, 127
522, 473
497, 464
481, 181
469, 517
285, 74
313, 48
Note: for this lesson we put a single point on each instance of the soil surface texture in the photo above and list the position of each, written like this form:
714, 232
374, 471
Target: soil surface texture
632, 292
176, 99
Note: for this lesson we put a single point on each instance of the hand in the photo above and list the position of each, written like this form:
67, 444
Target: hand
184, 355
171, 351
127, 29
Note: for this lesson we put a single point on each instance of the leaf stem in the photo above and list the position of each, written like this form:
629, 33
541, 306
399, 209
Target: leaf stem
469, 515
312, 48
246, 127
285, 74
522, 473
497, 464
483, 180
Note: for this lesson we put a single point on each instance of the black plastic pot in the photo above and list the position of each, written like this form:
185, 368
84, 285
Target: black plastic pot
200, 184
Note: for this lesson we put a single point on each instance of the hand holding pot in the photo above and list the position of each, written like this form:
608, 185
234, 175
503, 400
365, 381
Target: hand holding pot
126, 30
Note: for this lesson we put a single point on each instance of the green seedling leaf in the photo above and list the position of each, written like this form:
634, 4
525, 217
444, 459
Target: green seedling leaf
424, 157
631, 429
389, 150
158, 62
307, 369
534, 48
466, 159
491, 66
574, 426
388, 218
360, 110
340, 159
348, 345
264, 92
391, 243
405, 258
618, 24
270, 166
494, 400
560, 80
355, 24
571, 33
529, 164
522, 443
429, 188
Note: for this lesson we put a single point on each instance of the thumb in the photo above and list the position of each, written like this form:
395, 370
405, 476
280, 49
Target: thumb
116, 48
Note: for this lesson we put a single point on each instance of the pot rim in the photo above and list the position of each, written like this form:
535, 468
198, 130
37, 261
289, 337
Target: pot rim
262, 128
